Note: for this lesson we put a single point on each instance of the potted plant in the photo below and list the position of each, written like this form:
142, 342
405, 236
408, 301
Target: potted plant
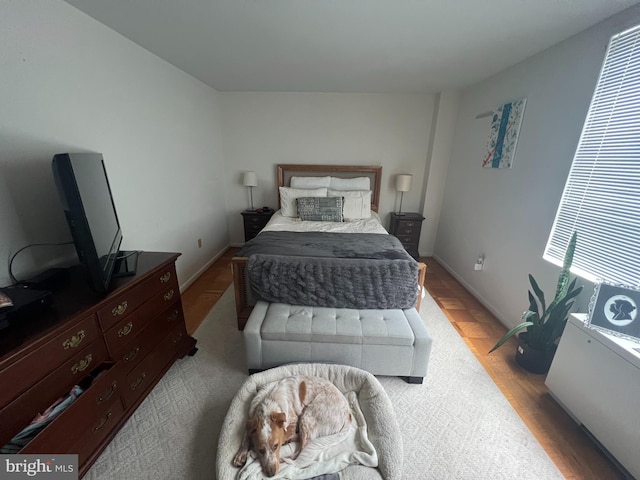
544, 324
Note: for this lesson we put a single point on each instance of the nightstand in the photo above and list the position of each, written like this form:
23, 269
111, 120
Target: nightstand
254, 222
407, 228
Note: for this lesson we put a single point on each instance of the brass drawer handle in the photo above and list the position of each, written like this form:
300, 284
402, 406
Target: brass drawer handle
126, 330
408, 231
131, 355
103, 421
173, 315
165, 278
74, 341
168, 295
120, 309
108, 393
139, 381
409, 224
82, 364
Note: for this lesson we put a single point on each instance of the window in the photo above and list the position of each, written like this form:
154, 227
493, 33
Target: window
601, 199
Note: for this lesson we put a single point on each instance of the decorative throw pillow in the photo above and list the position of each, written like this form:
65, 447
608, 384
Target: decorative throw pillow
320, 209
357, 204
288, 198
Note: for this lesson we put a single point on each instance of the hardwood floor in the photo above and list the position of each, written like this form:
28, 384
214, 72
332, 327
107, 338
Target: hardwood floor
202, 295
574, 453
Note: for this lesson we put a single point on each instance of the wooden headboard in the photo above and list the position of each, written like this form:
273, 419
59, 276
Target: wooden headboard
284, 172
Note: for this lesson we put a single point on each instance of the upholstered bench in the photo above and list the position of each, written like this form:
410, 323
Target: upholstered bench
390, 342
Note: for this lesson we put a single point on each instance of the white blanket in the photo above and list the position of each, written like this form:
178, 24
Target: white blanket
328, 454
377, 438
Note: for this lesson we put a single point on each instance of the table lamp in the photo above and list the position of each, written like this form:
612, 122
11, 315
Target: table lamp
403, 184
250, 179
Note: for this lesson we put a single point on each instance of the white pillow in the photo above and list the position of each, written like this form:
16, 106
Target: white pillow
358, 183
357, 203
288, 197
310, 182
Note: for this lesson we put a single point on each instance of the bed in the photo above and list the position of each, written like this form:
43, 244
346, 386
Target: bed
357, 246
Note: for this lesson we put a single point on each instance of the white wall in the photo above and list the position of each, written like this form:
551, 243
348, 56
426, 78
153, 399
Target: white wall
438, 158
264, 129
507, 214
68, 83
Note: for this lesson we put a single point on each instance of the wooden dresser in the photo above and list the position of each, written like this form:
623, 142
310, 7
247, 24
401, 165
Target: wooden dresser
116, 348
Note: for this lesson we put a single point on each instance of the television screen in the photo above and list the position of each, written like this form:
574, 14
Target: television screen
83, 186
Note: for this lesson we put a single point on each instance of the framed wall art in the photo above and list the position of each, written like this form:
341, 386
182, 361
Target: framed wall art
503, 135
614, 309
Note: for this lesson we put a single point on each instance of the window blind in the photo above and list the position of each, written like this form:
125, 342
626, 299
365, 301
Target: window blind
601, 199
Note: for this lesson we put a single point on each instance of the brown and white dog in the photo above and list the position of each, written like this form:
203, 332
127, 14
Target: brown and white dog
295, 408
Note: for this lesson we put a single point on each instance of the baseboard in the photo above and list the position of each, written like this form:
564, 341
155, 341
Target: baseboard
200, 271
473, 291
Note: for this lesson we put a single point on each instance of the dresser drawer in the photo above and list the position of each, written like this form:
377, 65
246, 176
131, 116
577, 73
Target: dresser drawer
118, 336
144, 374
97, 432
408, 240
123, 305
83, 414
143, 343
253, 228
408, 224
15, 416
255, 220
21, 374
413, 232
167, 296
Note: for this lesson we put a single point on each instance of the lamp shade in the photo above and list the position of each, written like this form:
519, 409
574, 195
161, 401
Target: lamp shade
403, 182
250, 179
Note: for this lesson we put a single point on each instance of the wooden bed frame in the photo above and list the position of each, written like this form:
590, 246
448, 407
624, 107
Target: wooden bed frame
284, 172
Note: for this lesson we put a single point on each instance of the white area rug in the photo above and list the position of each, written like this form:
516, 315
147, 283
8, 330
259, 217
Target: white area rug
457, 425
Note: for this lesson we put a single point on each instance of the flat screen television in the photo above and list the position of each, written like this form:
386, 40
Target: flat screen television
83, 187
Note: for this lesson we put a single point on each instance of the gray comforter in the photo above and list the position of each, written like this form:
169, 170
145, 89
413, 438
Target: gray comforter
340, 270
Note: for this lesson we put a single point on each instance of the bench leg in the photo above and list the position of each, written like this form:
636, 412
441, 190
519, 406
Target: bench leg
413, 380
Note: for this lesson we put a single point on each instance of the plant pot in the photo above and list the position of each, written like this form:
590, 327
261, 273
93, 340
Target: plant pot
532, 360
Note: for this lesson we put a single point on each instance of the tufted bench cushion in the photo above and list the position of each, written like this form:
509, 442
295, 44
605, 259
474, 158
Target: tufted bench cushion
383, 342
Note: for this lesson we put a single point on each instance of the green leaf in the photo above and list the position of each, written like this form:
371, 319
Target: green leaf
533, 304
538, 291
510, 333
563, 279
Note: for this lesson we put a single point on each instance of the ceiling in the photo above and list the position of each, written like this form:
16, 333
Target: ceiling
399, 46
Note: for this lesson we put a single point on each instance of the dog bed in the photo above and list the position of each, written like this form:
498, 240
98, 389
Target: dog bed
382, 432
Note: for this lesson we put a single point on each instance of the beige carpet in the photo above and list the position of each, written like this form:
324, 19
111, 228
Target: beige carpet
457, 425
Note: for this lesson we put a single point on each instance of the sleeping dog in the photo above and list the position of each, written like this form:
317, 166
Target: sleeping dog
296, 408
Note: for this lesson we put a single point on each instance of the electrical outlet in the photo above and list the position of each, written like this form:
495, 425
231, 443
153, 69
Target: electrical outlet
199, 243
479, 265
